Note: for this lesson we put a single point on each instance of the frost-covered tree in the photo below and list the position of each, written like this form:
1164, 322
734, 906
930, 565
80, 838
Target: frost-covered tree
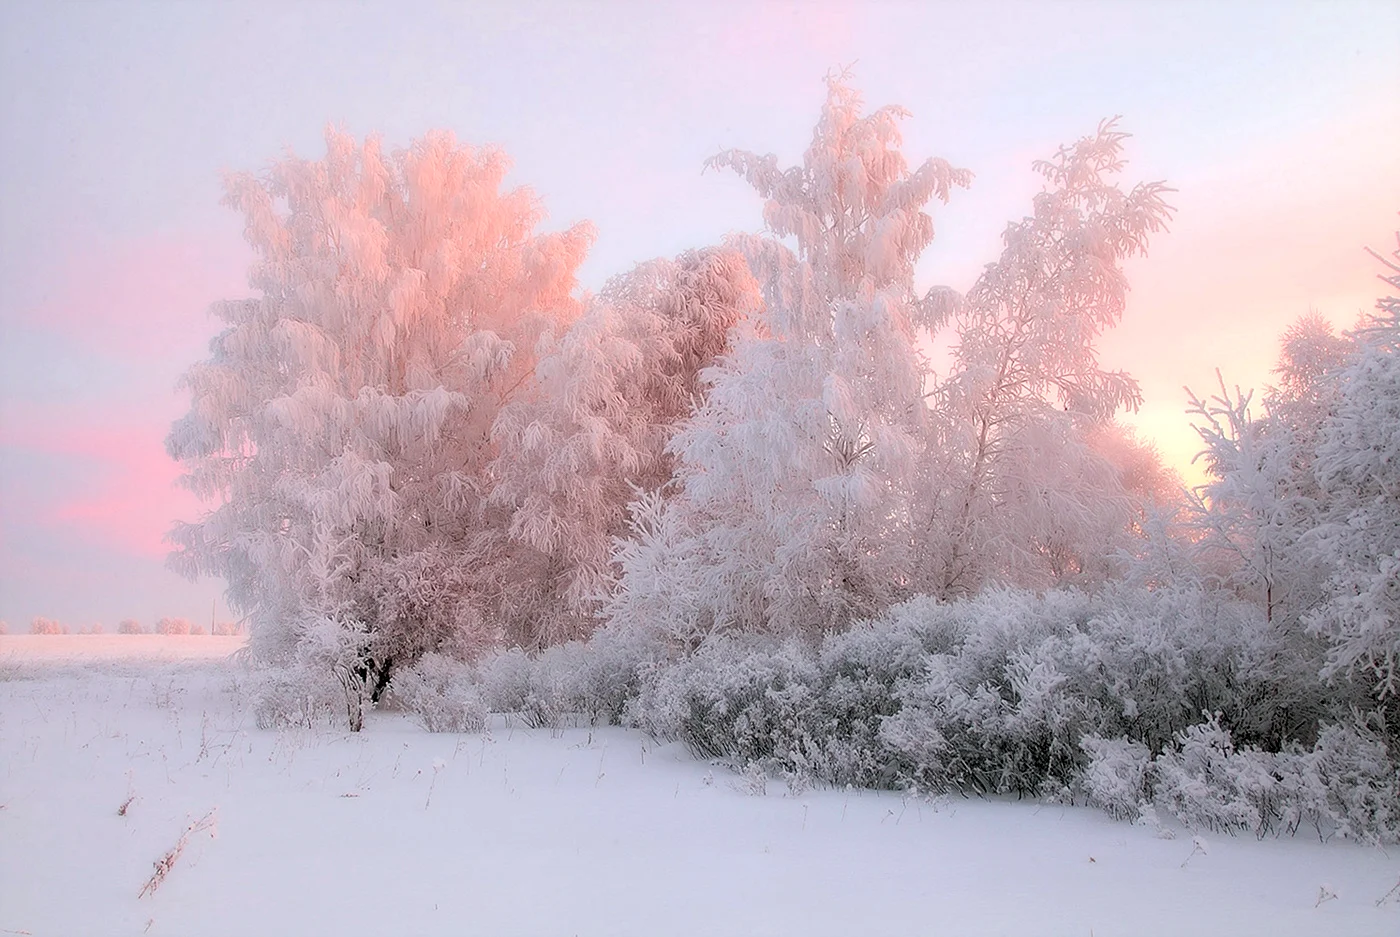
1017, 491
1357, 468
41, 625
173, 626
790, 508
1301, 510
1254, 515
343, 420
1257, 506
612, 390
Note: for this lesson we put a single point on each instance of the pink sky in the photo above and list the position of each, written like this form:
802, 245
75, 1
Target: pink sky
1277, 123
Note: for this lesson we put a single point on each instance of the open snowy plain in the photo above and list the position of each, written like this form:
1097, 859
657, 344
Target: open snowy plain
117, 752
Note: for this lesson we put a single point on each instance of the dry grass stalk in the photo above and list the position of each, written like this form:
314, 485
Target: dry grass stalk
165, 863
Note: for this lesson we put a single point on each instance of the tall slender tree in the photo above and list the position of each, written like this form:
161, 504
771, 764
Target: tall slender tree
790, 502
1016, 492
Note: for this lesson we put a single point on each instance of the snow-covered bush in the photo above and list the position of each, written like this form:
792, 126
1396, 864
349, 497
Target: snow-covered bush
295, 697
130, 626
777, 705
442, 694
795, 711
1027, 676
745, 700
597, 681
1204, 781
863, 672
1115, 777
1351, 767
513, 682
605, 674
326, 679
1346, 785
996, 694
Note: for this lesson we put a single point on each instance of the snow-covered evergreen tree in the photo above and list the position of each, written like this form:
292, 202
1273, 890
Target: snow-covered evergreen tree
343, 420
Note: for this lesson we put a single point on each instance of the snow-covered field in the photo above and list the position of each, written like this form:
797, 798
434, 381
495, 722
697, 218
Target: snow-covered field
85, 649
582, 831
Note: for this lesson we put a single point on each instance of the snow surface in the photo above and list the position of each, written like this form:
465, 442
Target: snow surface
579, 831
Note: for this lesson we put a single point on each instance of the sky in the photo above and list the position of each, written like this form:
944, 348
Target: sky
1277, 123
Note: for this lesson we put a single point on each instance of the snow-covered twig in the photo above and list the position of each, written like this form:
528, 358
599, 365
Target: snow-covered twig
165, 863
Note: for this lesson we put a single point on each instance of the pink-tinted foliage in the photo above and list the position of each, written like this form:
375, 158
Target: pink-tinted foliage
173, 626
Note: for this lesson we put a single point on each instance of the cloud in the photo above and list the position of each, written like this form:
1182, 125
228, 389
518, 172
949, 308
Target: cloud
144, 297
89, 392
120, 487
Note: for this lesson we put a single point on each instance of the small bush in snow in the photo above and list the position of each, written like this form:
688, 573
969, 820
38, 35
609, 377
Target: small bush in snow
324, 676
298, 697
130, 626
1026, 677
442, 695
1346, 785
1207, 784
1360, 781
747, 701
798, 713
509, 684
1115, 779
597, 679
